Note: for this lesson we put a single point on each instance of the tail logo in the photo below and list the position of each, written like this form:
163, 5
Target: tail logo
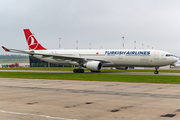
32, 43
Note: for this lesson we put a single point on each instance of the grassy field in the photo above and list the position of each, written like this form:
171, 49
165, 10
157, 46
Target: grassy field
103, 70
95, 77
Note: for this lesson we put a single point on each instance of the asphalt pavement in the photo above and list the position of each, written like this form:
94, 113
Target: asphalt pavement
38, 99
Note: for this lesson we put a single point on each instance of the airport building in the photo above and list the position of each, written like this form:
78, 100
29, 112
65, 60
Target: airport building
34, 62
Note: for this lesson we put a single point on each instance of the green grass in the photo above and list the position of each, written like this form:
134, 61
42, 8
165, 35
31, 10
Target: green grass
40, 68
140, 70
95, 77
103, 70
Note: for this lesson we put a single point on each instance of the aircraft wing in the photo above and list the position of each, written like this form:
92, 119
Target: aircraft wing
56, 56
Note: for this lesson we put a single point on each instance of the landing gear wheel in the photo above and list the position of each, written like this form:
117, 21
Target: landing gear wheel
75, 70
156, 72
78, 70
81, 70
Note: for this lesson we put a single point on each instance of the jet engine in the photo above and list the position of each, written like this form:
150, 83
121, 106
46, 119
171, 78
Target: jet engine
94, 65
121, 67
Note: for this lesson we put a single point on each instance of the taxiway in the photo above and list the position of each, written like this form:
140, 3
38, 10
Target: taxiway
31, 99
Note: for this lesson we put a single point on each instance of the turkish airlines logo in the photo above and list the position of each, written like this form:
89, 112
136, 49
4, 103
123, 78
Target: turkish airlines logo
32, 42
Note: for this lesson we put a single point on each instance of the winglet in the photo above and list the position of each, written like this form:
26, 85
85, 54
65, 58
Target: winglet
5, 49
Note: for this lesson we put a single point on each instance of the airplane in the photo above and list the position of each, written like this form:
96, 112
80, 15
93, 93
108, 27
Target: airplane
95, 59
176, 64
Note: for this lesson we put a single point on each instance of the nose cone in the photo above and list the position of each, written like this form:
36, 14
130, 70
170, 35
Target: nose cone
176, 59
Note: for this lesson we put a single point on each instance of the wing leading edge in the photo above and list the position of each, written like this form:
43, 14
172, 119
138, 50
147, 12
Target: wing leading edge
56, 56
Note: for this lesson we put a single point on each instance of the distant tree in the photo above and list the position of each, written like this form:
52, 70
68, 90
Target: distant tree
14, 57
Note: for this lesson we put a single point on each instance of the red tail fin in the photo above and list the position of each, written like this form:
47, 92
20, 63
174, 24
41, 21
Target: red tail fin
32, 42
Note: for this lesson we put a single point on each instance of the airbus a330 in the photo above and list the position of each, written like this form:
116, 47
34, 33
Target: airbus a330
94, 60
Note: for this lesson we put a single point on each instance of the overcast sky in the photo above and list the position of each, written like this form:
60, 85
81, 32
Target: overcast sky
154, 23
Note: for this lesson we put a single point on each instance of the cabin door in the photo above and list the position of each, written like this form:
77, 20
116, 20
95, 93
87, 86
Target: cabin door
156, 56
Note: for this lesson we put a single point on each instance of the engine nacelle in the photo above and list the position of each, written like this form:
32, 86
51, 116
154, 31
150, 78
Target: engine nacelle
94, 65
121, 67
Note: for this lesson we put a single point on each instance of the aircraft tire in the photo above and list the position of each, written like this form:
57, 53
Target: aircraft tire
75, 70
81, 70
156, 72
78, 70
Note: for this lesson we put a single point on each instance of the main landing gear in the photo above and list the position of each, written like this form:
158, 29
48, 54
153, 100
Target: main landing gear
157, 70
78, 70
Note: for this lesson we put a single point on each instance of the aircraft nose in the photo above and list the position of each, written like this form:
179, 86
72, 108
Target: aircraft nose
176, 59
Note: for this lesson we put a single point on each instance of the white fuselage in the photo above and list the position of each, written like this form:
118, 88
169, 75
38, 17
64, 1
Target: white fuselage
121, 57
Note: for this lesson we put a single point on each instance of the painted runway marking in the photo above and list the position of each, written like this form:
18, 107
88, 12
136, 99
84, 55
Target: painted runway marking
36, 115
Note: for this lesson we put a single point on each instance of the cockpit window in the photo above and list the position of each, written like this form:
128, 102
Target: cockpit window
170, 55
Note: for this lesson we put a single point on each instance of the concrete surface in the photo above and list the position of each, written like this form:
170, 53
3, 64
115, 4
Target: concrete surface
34, 99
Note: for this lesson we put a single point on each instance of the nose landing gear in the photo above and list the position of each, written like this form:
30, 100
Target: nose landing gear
156, 70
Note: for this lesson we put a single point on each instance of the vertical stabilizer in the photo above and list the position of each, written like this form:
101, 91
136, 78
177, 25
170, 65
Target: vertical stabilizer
32, 42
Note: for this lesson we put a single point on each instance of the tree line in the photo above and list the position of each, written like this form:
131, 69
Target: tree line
14, 57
